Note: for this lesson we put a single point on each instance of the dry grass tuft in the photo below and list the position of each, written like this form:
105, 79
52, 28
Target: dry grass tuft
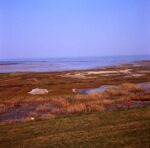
60, 102
48, 116
42, 108
76, 108
116, 92
57, 111
3, 108
89, 97
132, 87
33, 114
94, 107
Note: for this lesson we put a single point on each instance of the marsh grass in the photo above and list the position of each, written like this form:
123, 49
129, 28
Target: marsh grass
95, 102
33, 114
3, 108
42, 108
128, 128
60, 102
75, 104
132, 87
48, 116
76, 108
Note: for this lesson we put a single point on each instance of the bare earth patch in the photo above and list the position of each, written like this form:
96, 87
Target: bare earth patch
135, 75
125, 71
93, 74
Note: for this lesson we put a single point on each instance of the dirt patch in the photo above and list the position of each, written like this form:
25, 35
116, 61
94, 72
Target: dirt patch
125, 71
135, 75
93, 74
79, 75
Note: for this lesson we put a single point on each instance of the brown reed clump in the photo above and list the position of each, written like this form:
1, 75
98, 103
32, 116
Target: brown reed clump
132, 87
107, 101
42, 108
89, 97
57, 111
60, 102
33, 114
94, 107
4, 108
76, 108
116, 92
48, 116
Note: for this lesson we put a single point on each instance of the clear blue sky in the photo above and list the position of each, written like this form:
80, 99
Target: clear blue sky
67, 28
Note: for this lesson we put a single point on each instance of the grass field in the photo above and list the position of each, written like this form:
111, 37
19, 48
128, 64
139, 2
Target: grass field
102, 129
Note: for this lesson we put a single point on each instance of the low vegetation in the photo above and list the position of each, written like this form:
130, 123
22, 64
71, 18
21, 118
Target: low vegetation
102, 129
76, 104
91, 120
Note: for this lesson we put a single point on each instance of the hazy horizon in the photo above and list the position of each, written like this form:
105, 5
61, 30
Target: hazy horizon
88, 28
69, 57
65, 64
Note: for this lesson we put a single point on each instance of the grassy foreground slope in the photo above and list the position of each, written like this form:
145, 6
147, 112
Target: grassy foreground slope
103, 129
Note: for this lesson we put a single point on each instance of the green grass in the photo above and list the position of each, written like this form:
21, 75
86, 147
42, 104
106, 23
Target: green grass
103, 129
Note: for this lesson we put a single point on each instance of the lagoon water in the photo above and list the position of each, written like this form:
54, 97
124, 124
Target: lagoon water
64, 64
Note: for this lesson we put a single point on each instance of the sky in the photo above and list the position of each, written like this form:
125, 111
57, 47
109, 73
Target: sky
73, 28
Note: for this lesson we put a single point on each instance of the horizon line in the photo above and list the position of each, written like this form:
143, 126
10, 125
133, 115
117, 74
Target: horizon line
37, 58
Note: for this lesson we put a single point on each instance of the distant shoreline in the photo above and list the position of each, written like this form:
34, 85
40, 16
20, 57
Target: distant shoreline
61, 66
